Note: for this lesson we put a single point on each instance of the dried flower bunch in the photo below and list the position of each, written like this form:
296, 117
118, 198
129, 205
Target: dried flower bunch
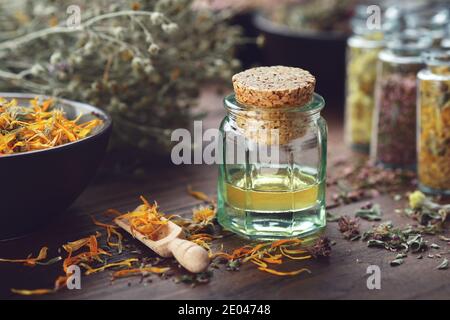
142, 61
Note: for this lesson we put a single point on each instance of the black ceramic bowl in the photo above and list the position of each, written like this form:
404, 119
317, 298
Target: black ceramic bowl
322, 53
38, 185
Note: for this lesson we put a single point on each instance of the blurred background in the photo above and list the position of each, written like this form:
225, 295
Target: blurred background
148, 70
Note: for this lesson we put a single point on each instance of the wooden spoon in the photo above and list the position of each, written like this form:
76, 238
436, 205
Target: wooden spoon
190, 255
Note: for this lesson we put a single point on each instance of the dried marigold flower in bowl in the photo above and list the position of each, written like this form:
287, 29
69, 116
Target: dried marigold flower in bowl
49, 151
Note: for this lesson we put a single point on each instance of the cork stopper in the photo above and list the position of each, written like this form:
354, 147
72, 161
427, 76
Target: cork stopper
269, 90
276, 86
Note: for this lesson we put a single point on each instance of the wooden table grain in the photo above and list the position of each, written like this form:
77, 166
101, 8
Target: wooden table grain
343, 275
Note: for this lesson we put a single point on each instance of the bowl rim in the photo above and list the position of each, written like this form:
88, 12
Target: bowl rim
90, 108
265, 24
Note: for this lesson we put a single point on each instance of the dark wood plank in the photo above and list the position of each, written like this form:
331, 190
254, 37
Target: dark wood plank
341, 276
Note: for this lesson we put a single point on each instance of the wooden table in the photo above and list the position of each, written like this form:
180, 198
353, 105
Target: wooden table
341, 276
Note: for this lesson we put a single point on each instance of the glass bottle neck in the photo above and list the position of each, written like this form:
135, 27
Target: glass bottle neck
306, 114
438, 62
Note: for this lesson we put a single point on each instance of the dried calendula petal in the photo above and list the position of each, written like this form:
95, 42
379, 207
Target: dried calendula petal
30, 261
145, 219
198, 194
38, 127
203, 215
263, 254
138, 271
282, 273
126, 263
34, 292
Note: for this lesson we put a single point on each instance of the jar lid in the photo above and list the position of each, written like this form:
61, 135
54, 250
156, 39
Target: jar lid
409, 42
437, 58
276, 86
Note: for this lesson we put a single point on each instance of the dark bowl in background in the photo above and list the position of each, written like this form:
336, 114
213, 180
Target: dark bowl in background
321, 53
36, 186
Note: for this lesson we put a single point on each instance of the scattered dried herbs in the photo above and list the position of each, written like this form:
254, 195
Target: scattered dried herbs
138, 271
145, 219
385, 235
371, 212
194, 279
359, 179
95, 259
349, 227
270, 253
396, 262
321, 248
431, 216
443, 265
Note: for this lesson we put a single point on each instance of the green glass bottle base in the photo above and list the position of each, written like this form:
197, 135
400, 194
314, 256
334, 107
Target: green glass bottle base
306, 224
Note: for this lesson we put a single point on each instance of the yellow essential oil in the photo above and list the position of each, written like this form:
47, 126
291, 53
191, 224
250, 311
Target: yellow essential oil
273, 193
273, 205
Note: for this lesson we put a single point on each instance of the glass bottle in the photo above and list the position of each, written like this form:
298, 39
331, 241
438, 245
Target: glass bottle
284, 196
394, 135
362, 53
434, 124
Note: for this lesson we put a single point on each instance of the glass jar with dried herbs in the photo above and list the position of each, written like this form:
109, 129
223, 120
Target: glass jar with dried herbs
394, 127
272, 176
434, 124
362, 53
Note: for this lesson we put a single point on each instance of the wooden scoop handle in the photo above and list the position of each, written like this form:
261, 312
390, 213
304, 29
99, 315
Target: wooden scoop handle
190, 255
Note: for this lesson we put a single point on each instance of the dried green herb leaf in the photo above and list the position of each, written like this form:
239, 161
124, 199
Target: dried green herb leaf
49, 262
233, 265
370, 214
443, 265
396, 262
443, 238
332, 217
376, 243
416, 243
401, 255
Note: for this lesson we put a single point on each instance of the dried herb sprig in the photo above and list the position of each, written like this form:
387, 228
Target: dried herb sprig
385, 235
321, 248
369, 211
143, 62
431, 216
349, 227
